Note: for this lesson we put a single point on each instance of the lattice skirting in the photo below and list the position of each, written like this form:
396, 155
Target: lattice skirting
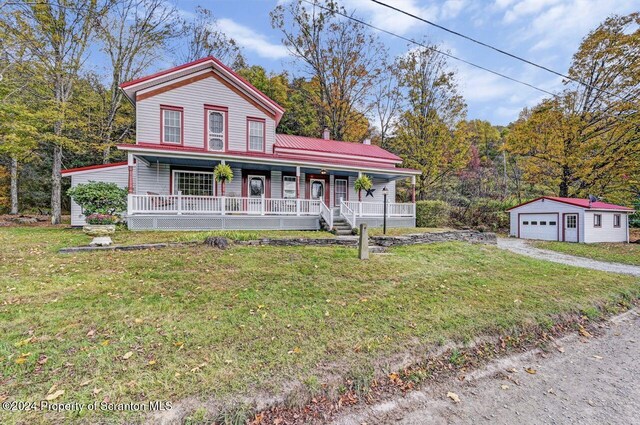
391, 221
203, 222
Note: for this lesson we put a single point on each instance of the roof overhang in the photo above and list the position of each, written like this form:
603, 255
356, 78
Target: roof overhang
620, 208
270, 159
131, 88
91, 169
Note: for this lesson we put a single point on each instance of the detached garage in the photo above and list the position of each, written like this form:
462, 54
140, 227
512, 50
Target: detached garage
571, 220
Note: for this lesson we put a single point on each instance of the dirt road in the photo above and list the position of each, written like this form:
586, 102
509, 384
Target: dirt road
580, 381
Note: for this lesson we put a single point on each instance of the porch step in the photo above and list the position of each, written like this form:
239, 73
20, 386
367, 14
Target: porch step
341, 232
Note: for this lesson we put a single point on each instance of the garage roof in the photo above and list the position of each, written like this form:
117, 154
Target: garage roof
579, 202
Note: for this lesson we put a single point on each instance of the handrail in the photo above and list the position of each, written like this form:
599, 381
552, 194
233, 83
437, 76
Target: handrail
348, 214
326, 214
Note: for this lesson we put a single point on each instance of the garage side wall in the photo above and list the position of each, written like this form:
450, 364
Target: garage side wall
543, 206
118, 175
605, 233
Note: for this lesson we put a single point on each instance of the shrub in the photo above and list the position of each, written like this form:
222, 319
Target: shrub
485, 214
102, 219
634, 219
99, 198
432, 213
222, 173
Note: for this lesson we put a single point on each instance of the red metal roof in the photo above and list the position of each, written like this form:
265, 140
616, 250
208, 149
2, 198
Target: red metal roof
579, 202
333, 146
198, 62
92, 167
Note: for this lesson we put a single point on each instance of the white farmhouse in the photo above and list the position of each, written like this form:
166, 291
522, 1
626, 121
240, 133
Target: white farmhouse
570, 220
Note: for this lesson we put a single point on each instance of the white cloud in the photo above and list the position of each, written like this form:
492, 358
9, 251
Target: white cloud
525, 8
252, 40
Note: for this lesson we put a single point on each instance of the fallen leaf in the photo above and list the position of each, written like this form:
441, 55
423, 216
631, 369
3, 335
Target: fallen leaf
138, 320
598, 357
454, 397
85, 383
584, 332
504, 387
20, 360
530, 370
151, 362
127, 355
91, 333
296, 350
54, 395
96, 391
560, 349
23, 342
105, 343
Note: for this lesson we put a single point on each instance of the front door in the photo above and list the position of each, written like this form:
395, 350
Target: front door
571, 227
316, 188
255, 192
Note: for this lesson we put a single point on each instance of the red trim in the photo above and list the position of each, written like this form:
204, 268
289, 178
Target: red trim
130, 182
577, 203
171, 108
264, 133
93, 167
542, 213
577, 226
207, 108
335, 198
198, 62
327, 186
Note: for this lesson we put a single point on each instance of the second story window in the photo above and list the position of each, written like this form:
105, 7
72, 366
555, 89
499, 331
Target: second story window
171, 125
216, 129
255, 130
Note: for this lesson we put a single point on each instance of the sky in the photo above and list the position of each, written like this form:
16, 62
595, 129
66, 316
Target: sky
547, 32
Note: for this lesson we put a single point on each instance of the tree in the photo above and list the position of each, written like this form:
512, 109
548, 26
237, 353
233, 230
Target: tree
204, 39
586, 139
56, 36
387, 101
134, 34
428, 134
340, 56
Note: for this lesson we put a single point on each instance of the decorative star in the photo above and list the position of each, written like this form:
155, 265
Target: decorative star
370, 192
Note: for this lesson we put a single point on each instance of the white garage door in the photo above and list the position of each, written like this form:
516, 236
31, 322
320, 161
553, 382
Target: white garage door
539, 226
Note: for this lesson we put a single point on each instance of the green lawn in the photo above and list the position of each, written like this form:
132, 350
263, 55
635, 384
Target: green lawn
207, 323
613, 252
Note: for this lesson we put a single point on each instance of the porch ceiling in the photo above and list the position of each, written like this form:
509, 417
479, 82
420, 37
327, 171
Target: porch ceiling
182, 161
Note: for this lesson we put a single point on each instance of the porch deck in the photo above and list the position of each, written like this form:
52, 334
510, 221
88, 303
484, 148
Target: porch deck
179, 211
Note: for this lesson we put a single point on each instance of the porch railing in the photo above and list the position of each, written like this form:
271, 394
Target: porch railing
187, 204
376, 209
348, 213
326, 214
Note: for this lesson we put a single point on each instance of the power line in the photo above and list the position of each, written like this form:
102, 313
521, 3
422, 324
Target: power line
449, 55
489, 46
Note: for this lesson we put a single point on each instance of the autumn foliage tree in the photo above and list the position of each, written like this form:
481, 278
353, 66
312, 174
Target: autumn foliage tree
586, 140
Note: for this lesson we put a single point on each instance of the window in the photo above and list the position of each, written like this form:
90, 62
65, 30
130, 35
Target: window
340, 186
255, 129
552, 223
543, 223
617, 220
533, 223
288, 187
526, 223
171, 127
572, 221
216, 129
194, 183
597, 220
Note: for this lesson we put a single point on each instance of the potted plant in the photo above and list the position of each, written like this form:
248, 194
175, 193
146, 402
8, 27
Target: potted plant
100, 227
101, 203
362, 183
222, 173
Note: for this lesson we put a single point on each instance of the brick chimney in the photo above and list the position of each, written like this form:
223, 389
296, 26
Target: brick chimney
366, 142
325, 134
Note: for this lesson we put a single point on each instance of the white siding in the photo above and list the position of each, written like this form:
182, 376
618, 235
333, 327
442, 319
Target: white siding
547, 206
276, 184
234, 187
606, 233
192, 98
153, 178
378, 185
118, 175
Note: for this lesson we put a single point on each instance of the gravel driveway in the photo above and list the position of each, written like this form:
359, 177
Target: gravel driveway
520, 246
579, 381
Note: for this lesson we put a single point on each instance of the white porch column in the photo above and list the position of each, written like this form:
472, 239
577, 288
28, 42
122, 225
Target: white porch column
297, 191
131, 162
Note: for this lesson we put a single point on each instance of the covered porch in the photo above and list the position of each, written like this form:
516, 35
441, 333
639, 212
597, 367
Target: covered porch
178, 192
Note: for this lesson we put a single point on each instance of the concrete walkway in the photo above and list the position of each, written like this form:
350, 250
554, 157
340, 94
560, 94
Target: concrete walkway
586, 381
520, 246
